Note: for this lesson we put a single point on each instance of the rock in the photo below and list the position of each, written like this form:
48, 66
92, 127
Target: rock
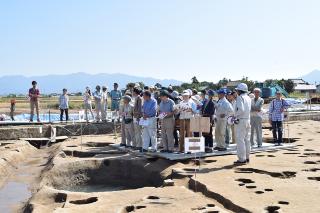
168, 182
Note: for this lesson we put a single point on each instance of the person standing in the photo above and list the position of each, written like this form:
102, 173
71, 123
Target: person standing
115, 95
137, 115
256, 117
87, 103
276, 117
97, 95
12, 108
242, 128
208, 109
104, 103
64, 104
34, 95
127, 117
166, 110
231, 97
187, 109
223, 110
149, 111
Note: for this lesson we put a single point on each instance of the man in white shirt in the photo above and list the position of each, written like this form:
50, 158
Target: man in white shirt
242, 127
223, 110
104, 103
97, 95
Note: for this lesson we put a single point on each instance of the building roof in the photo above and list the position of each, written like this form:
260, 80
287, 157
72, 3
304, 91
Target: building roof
305, 87
298, 81
233, 83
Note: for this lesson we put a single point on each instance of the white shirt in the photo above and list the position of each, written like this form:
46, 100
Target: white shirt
97, 96
223, 107
184, 108
104, 96
243, 107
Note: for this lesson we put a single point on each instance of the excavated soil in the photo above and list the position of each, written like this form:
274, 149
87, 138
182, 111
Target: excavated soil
88, 175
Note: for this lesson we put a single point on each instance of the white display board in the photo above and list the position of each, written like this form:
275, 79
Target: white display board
194, 145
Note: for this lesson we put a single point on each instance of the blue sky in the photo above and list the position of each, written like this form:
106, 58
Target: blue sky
177, 39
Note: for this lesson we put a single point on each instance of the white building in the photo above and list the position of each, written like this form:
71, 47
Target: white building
302, 86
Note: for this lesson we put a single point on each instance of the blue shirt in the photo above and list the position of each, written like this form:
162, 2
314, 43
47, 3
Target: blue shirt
115, 95
275, 112
166, 106
149, 108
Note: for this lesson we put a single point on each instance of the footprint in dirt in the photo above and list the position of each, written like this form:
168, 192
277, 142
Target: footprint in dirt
245, 180
272, 209
310, 162
314, 178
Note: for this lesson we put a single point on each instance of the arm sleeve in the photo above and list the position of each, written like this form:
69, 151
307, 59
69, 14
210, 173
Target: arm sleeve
239, 106
270, 109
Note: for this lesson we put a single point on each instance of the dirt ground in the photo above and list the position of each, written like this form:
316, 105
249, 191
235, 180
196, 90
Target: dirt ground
87, 175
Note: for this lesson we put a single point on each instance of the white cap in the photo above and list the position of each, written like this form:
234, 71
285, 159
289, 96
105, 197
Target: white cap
242, 87
186, 92
257, 89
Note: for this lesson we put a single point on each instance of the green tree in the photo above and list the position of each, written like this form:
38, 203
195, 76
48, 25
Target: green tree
194, 80
288, 85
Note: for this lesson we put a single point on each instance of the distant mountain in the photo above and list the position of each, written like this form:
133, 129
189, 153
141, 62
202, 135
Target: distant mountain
312, 77
76, 82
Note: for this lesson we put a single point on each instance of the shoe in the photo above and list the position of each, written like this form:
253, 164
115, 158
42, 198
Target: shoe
222, 149
208, 150
259, 146
143, 150
248, 161
216, 148
121, 144
169, 151
239, 162
163, 151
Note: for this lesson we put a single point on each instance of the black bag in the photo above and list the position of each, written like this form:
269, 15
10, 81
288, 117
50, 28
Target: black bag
128, 120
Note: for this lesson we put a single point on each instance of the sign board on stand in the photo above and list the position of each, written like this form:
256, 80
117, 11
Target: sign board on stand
194, 145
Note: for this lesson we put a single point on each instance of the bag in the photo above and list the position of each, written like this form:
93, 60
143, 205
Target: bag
128, 120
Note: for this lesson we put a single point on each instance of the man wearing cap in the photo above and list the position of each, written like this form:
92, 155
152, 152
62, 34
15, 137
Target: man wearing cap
97, 95
149, 111
115, 98
207, 110
256, 117
104, 103
223, 110
166, 110
276, 117
187, 108
127, 117
242, 127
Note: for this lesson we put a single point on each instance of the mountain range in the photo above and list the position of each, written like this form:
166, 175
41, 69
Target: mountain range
312, 77
76, 82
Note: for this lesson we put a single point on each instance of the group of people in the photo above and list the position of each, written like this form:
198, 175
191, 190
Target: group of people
235, 116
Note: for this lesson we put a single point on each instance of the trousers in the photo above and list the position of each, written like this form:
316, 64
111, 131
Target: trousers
242, 131
220, 133
256, 127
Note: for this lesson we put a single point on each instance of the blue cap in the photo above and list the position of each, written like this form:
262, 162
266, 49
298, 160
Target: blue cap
222, 91
210, 92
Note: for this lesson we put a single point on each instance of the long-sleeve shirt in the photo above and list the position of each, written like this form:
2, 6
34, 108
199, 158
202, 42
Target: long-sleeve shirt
149, 108
137, 108
223, 107
276, 108
256, 106
64, 102
208, 108
243, 107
